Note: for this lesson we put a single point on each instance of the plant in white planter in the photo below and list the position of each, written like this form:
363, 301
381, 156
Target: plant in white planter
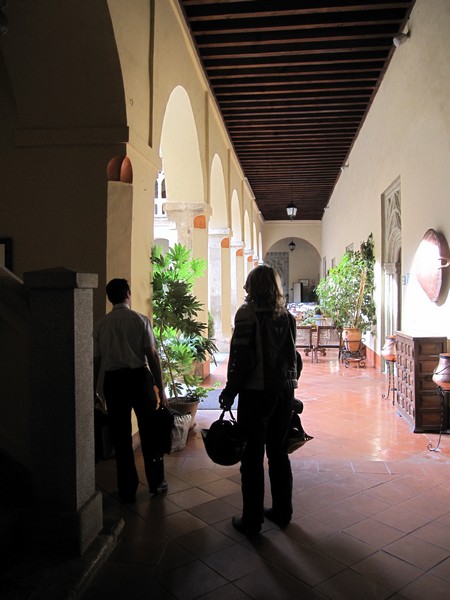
181, 338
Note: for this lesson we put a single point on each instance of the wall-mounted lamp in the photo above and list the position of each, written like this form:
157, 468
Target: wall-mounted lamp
291, 210
400, 39
292, 245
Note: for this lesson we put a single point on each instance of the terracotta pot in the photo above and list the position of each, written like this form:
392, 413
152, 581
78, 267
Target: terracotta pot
441, 374
352, 338
388, 351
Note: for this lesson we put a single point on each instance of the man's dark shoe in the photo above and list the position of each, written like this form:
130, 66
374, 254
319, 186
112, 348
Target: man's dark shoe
279, 520
243, 528
127, 498
160, 488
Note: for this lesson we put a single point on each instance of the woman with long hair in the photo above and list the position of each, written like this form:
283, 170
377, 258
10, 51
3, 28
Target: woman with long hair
262, 369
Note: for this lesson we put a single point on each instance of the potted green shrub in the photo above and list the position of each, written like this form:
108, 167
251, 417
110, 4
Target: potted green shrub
181, 337
347, 293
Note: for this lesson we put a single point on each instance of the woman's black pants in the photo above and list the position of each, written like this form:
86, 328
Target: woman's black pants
265, 418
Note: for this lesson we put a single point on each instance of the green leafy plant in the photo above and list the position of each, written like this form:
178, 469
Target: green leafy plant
347, 293
181, 337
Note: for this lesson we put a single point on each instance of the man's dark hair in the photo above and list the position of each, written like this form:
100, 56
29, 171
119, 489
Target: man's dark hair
117, 290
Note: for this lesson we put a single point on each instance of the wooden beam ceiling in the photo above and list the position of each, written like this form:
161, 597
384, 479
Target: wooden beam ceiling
294, 80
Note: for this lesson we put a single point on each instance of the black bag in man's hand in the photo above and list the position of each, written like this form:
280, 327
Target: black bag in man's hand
223, 441
161, 424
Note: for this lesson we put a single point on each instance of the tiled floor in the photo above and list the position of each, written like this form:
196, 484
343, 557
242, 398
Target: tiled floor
371, 520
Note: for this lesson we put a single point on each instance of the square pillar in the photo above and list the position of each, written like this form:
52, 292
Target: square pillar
62, 407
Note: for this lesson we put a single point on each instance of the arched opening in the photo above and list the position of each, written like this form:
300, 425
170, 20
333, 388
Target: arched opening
299, 269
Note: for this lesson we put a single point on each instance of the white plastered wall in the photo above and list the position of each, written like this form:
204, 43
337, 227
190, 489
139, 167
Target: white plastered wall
406, 135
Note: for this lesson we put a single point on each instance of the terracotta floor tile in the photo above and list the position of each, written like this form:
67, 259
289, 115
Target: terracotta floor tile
199, 477
181, 523
344, 548
374, 533
271, 582
350, 585
427, 586
308, 531
227, 592
205, 541
400, 518
365, 504
191, 497
442, 570
338, 517
221, 488
425, 506
387, 571
191, 580
390, 492
417, 552
235, 562
370, 508
214, 511
436, 533
304, 563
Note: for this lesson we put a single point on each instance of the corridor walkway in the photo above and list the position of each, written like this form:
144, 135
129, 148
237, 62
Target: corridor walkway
371, 520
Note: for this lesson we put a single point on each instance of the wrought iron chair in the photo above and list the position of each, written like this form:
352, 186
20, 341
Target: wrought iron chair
304, 339
328, 336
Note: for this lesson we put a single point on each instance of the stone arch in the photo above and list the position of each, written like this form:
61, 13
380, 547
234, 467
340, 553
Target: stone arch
180, 151
391, 259
247, 232
236, 222
236, 254
218, 197
255, 242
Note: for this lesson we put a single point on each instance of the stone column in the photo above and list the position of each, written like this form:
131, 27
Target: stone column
217, 293
226, 290
241, 276
235, 247
248, 261
181, 216
69, 510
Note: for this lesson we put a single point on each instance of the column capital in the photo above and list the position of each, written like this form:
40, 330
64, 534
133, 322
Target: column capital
391, 268
219, 232
194, 208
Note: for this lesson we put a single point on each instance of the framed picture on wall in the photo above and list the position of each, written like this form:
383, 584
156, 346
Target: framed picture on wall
6, 253
304, 282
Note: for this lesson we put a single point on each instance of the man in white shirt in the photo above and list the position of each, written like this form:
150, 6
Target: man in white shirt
125, 349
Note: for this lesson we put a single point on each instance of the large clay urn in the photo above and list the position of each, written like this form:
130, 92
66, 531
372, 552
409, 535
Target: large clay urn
441, 374
351, 337
388, 352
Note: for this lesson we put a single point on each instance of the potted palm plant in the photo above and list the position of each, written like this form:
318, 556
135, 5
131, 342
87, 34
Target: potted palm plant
182, 339
347, 293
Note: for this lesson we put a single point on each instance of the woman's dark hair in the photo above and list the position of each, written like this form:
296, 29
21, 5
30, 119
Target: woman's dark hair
117, 290
263, 287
